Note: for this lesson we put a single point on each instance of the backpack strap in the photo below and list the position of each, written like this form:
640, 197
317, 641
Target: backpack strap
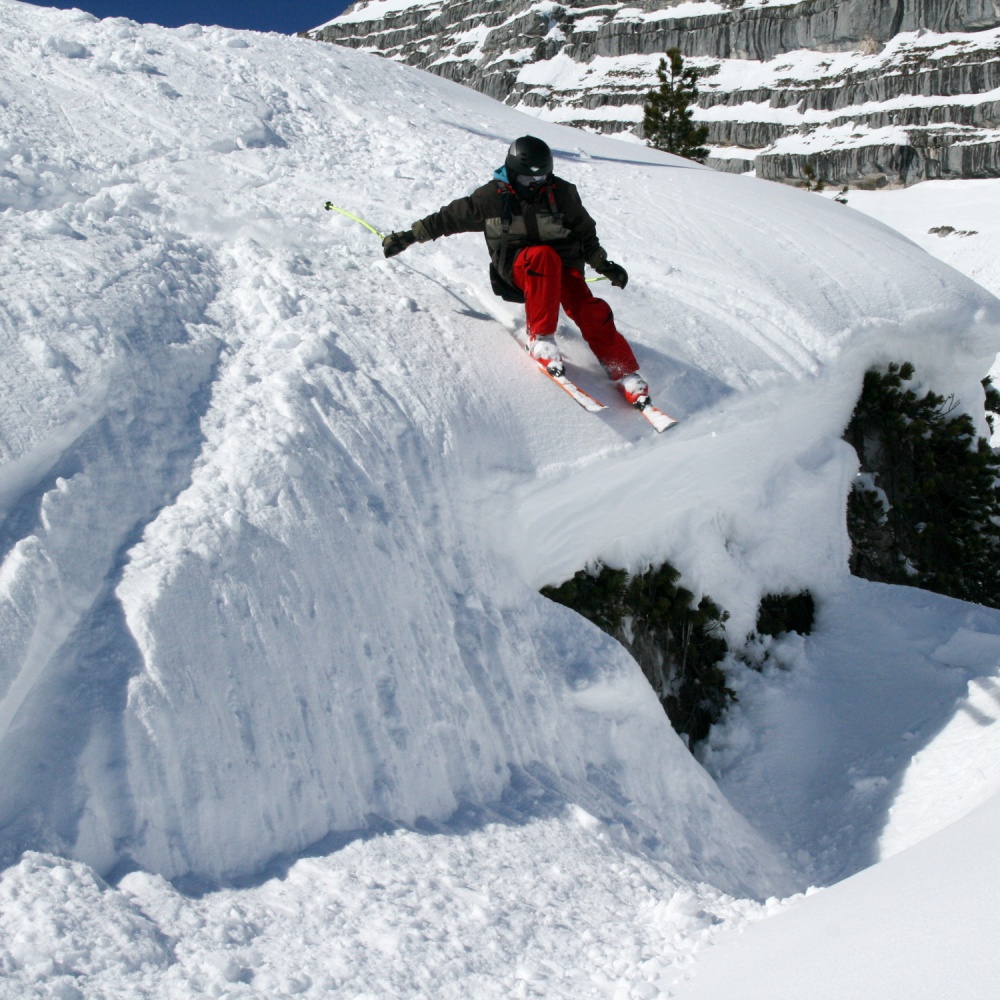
506, 218
556, 214
501, 286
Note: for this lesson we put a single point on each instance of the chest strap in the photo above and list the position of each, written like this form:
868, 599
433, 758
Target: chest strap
506, 218
553, 208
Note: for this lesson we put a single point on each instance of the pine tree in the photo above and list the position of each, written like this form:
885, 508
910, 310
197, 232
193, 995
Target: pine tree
668, 122
926, 509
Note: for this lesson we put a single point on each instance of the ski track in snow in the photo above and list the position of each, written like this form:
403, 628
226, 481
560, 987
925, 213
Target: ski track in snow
273, 512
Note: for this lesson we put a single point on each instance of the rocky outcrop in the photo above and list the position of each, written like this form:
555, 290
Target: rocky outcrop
763, 32
420, 33
879, 165
827, 75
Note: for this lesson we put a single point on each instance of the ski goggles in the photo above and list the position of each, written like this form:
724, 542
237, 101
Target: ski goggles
532, 180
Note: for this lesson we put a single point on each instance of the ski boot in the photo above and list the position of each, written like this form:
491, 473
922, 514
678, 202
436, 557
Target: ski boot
635, 389
546, 352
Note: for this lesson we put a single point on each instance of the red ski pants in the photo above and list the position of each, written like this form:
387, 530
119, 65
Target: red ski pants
547, 283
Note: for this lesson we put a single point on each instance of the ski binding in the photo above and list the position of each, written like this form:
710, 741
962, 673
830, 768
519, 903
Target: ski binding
557, 373
660, 421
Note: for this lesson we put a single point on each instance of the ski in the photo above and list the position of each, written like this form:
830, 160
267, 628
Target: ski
570, 388
661, 421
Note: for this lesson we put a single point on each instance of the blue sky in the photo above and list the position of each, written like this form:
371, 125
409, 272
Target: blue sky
260, 15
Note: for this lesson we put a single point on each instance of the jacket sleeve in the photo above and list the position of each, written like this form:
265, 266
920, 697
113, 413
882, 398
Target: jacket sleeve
463, 215
578, 221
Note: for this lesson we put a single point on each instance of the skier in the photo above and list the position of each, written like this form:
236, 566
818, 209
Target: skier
539, 237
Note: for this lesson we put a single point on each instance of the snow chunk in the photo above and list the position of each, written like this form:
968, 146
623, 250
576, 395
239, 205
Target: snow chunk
60, 922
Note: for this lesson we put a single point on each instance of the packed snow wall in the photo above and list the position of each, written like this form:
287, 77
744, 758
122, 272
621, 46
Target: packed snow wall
275, 509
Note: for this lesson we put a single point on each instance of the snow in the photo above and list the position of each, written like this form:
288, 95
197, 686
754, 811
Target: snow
957, 773
764, 112
281, 710
806, 68
812, 68
922, 924
497, 910
376, 10
964, 214
851, 721
850, 135
956, 221
926, 927
693, 8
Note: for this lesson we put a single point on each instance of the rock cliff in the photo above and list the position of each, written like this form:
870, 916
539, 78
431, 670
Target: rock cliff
861, 92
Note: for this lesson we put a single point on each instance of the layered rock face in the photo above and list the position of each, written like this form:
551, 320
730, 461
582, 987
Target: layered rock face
856, 92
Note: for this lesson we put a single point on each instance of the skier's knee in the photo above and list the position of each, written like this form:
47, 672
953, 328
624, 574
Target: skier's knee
542, 258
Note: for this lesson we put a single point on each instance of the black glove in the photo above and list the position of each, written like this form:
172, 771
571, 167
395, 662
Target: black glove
615, 273
396, 243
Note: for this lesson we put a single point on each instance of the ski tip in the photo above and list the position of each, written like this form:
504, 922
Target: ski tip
660, 428
660, 421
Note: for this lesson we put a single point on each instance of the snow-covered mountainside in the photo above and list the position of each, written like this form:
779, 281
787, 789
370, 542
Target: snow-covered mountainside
860, 92
275, 511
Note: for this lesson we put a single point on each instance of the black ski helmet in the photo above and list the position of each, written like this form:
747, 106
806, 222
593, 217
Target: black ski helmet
528, 157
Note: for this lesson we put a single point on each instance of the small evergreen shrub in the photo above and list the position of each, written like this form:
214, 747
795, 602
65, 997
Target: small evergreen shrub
599, 595
781, 613
680, 643
812, 181
926, 509
992, 403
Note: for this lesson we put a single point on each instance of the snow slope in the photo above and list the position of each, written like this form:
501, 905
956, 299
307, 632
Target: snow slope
956, 221
275, 511
922, 924
884, 716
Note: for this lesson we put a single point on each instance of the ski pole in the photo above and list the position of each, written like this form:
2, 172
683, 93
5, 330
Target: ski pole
330, 207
